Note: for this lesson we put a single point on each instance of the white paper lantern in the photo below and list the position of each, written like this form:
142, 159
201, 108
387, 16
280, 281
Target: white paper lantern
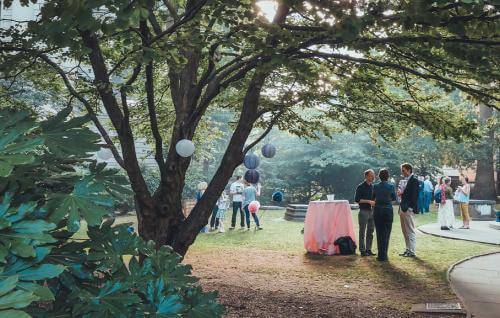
202, 186
104, 154
184, 148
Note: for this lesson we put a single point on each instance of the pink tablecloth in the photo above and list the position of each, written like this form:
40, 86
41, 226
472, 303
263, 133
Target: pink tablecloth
325, 222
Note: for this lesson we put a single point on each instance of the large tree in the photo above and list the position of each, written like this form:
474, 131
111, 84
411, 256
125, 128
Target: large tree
336, 59
484, 187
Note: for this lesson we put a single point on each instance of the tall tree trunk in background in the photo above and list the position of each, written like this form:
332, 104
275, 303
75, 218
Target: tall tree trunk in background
484, 188
206, 167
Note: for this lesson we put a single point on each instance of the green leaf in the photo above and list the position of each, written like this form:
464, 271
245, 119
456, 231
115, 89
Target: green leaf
43, 292
22, 249
17, 299
88, 200
68, 137
44, 271
8, 284
13, 314
35, 226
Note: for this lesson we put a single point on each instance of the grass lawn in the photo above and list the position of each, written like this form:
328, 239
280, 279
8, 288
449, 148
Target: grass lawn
272, 266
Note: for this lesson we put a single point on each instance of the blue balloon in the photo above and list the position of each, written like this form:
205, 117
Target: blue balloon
251, 161
252, 176
277, 196
269, 150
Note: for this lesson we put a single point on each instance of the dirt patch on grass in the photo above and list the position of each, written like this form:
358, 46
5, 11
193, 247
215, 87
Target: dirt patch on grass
256, 283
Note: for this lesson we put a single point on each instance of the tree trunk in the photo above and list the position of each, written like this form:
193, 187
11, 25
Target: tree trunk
484, 187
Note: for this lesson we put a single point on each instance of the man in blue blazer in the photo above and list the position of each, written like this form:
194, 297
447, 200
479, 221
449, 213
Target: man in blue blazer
407, 208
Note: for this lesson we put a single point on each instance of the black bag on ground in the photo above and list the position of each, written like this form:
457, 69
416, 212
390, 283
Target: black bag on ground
346, 245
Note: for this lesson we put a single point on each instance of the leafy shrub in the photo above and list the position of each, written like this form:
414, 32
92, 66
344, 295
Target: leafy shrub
47, 186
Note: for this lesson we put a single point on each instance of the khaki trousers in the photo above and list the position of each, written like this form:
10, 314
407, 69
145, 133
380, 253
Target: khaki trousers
408, 228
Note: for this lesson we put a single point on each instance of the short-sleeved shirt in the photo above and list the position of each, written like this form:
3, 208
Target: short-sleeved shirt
249, 194
364, 191
236, 190
428, 186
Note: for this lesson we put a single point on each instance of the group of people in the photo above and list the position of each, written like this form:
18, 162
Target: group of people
444, 196
376, 210
241, 193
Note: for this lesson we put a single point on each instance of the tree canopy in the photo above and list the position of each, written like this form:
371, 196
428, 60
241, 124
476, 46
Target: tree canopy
315, 66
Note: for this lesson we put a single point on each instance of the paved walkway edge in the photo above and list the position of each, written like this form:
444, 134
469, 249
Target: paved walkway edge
458, 239
452, 267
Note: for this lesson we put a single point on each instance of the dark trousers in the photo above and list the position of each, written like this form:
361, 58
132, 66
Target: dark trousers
214, 221
366, 227
427, 200
383, 218
237, 206
421, 202
254, 215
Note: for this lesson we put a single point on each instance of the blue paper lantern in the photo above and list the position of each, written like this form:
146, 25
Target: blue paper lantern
268, 150
251, 161
277, 196
252, 176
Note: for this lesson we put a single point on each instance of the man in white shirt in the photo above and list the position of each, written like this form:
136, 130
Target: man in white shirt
236, 191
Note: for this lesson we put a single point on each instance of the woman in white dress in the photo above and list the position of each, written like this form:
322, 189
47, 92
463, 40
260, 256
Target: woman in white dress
446, 217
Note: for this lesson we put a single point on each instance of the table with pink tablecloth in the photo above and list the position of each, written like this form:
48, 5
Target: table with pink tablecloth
325, 222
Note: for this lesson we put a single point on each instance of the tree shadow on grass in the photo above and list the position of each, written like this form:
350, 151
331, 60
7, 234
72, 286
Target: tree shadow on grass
340, 261
415, 280
426, 287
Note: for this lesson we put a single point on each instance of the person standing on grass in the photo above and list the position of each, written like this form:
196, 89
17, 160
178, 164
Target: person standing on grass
236, 190
428, 189
446, 217
222, 204
407, 208
421, 199
463, 199
364, 197
250, 193
384, 193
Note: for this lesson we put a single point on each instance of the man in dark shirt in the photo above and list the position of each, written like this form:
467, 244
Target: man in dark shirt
364, 196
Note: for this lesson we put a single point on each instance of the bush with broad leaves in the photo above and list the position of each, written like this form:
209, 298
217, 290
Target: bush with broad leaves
45, 271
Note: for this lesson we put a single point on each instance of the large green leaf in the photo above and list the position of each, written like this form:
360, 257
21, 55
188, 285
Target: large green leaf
13, 314
8, 284
67, 137
88, 201
15, 146
17, 299
20, 235
31, 269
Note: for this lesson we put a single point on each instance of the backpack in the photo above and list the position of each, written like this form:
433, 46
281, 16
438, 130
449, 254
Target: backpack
438, 196
346, 245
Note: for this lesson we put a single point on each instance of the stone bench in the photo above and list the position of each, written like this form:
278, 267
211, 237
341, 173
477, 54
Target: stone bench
296, 212
479, 210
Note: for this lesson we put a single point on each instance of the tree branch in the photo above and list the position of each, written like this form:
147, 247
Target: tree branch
266, 132
171, 8
87, 106
153, 119
395, 66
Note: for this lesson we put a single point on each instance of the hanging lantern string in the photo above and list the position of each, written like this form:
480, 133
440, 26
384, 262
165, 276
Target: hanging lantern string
266, 132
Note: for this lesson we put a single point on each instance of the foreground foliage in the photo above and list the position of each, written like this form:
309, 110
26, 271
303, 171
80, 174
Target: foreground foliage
48, 185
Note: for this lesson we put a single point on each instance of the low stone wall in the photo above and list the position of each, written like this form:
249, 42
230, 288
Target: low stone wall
479, 210
296, 212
